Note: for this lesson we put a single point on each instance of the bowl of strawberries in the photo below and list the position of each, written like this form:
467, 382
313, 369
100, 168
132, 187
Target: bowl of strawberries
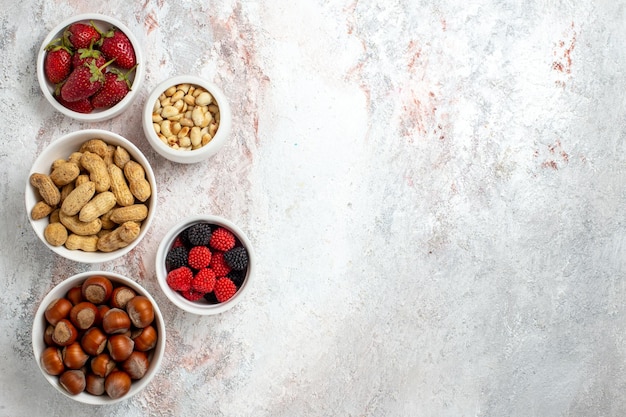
90, 67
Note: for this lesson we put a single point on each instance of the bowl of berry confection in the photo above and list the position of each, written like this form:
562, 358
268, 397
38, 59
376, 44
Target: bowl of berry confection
204, 264
187, 119
90, 67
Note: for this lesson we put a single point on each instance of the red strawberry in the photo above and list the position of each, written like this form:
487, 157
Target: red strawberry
57, 63
116, 86
116, 45
85, 55
81, 106
81, 35
83, 82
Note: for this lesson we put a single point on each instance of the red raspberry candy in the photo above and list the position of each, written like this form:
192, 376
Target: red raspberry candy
192, 295
199, 257
179, 279
204, 281
177, 242
222, 239
219, 265
224, 289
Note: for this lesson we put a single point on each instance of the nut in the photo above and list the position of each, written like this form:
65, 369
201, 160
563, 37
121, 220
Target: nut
119, 186
98, 206
40, 210
185, 106
80, 228
119, 238
64, 173
137, 183
47, 189
135, 213
97, 169
55, 234
78, 198
84, 243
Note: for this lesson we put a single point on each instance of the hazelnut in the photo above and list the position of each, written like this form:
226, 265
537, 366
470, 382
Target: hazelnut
97, 289
115, 321
145, 339
117, 384
74, 357
52, 361
73, 381
140, 311
121, 295
83, 315
64, 333
57, 310
136, 365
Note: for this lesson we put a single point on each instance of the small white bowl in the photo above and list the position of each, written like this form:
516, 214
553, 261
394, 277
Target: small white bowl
196, 155
103, 23
202, 307
39, 326
61, 148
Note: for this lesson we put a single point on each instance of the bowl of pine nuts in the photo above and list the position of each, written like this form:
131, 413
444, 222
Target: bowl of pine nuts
186, 119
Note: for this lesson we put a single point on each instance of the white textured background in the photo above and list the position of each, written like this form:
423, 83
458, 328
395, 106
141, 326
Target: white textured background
435, 191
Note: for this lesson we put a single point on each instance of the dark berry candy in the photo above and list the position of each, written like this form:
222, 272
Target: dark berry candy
176, 258
199, 234
237, 258
184, 237
211, 298
237, 277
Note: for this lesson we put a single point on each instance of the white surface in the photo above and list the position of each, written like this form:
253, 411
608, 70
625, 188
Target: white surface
434, 190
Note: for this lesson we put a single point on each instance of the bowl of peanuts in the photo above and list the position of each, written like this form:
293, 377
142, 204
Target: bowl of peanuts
187, 119
98, 337
91, 196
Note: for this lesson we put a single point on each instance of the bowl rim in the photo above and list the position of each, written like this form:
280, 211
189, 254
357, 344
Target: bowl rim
39, 325
30, 195
179, 300
96, 115
196, 155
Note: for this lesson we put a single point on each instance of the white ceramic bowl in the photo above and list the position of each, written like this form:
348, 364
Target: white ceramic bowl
61, 148
202, 307
137, 77
40, 324
196, 155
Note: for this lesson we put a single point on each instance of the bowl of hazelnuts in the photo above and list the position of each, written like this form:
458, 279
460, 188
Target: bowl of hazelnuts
98, 337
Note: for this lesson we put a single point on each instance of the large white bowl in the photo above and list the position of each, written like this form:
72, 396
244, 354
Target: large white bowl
61, 148
39, 326
103, 23
196, 155
202, 307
